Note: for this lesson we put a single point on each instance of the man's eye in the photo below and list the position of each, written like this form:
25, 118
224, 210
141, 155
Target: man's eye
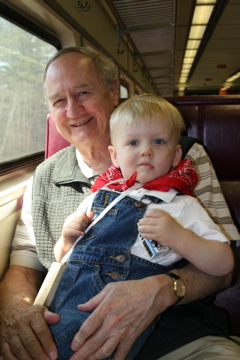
158, 141
82, 93
58, 102
133, 142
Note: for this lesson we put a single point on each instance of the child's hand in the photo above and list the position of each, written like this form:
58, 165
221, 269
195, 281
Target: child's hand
160, 226
74, 226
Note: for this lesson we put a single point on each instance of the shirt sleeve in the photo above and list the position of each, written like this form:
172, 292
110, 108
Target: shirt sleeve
24, 251
195, 218
209, 193
86, 204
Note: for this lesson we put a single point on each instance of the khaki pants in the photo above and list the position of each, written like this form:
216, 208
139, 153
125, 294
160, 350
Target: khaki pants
208, 347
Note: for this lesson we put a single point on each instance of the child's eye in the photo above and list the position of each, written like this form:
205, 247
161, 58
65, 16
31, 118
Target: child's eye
158, 141
133, 142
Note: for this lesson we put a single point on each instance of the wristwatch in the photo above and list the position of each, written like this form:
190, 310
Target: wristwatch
178, 286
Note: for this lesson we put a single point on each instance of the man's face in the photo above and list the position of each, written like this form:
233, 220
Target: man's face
79, 100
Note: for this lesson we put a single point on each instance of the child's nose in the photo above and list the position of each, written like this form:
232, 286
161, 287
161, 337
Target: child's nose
146, 151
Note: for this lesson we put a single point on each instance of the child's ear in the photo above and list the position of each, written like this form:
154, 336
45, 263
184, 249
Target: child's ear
113, 155
178, 155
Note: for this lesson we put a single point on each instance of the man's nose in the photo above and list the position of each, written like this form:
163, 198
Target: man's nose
74, 108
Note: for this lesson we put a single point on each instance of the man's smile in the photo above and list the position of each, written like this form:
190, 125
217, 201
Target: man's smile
82, 122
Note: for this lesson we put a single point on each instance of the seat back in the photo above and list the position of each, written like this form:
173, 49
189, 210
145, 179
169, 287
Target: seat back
215, 122
229, 299
54, 141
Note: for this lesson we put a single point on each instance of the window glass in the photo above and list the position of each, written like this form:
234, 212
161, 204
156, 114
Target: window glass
123, 92
23, 110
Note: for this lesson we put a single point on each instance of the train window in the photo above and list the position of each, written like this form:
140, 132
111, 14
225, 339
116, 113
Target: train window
123, 91
23, 110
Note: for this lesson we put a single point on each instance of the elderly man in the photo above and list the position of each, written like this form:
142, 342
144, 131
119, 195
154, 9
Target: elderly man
82, 91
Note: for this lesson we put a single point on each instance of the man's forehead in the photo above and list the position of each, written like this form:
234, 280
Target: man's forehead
71, 75
75, 58
73, 62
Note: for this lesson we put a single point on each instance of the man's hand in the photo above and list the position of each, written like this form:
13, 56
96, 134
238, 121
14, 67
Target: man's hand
122, 312
25, 334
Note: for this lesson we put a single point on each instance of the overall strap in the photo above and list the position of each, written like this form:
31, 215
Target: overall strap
98, 218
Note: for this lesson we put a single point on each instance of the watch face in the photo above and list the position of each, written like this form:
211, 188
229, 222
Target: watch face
179, 288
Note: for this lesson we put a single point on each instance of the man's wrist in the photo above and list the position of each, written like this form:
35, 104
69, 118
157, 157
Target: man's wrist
179, 288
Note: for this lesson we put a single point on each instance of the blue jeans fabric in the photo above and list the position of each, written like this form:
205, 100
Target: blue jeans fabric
100, 257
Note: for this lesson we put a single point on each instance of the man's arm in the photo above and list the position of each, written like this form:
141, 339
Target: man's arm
209, 193
199, 284
24, 332
122, 311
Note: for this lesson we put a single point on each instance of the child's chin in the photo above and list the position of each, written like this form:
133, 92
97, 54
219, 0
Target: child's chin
143, 180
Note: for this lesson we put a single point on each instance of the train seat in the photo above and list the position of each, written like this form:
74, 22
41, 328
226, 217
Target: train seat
54, 141
215, 122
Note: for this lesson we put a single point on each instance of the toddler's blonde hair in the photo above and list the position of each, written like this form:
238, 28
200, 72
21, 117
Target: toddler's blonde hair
142, 109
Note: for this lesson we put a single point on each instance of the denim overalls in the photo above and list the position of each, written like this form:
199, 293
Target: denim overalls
100, 257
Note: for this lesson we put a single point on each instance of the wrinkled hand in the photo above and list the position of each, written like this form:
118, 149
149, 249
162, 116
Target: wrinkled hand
122, 312
25, 333
160, 226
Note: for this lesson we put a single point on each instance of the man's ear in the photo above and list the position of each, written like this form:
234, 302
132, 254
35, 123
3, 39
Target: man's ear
178, 155
113, 155
115, 91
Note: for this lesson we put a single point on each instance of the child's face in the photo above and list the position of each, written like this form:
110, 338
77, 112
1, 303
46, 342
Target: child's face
149, 149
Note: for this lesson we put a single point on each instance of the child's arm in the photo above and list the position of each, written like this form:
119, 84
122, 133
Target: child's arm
74, 226
211, 256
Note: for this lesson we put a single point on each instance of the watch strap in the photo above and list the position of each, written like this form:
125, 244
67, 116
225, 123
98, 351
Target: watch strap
175, 277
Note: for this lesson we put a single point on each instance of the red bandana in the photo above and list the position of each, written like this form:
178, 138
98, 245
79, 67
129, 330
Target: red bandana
183, 178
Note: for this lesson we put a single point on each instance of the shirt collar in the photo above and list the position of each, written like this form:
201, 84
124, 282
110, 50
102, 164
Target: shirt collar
166, 196
141, 194
86, 170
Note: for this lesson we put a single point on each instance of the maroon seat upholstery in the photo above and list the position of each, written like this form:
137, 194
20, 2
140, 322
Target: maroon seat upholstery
54, 141
215, 122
